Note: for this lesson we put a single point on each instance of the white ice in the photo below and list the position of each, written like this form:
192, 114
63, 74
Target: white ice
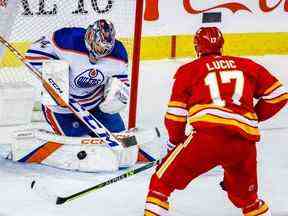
203, 197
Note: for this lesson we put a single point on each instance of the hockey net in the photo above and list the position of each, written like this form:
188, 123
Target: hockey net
25, 21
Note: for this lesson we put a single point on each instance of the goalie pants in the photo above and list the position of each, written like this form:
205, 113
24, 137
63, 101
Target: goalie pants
69, 125
203, 151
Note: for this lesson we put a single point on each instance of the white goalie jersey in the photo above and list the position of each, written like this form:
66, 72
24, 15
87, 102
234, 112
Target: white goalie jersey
87, 80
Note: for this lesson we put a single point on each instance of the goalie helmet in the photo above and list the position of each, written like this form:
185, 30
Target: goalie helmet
208, 40
100, 38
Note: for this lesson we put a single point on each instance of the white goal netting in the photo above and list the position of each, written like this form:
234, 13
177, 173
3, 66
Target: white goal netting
25, 21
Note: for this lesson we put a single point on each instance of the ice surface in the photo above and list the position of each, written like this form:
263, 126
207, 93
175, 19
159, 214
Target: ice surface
203, 197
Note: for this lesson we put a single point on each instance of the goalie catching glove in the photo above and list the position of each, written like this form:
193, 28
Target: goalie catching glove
116, 96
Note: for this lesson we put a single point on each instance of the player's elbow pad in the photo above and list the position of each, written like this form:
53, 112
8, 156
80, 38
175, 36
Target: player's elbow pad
116, 96
266, 110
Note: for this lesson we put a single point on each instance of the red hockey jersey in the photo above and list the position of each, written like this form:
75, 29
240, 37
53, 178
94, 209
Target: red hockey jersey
219, 91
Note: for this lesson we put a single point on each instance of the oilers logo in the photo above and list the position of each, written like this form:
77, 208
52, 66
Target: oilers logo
89, 78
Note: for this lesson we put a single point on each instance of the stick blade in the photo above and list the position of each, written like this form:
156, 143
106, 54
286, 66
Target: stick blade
60, 200
32, 184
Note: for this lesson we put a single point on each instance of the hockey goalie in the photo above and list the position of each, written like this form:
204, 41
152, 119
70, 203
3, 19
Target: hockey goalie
91, 66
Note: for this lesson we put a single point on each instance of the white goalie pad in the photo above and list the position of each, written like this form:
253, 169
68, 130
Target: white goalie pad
116, 96
83, 153
56, 71
71, 153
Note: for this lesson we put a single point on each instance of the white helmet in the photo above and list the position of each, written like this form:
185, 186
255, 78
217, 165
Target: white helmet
100, 38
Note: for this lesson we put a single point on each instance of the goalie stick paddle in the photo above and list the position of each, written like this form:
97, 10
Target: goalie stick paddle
55, 91
62, 200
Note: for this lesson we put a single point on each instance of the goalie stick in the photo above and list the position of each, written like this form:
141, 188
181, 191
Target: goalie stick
61, 200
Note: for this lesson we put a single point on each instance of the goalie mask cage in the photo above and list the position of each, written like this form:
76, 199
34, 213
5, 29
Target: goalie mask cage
24, 21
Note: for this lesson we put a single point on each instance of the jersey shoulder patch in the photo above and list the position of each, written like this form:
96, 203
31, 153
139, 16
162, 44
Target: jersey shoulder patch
70, 39
119, 52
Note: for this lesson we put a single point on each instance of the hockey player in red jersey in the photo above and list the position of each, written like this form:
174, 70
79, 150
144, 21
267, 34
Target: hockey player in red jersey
215, 95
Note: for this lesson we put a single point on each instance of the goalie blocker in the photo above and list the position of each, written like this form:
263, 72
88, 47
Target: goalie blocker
82, 153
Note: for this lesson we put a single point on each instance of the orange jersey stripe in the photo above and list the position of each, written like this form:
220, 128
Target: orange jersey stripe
278, 99
175, 118
200, 107
272, 88
177, 104
225, 121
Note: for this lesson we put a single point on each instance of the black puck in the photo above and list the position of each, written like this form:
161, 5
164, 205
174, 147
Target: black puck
81, 155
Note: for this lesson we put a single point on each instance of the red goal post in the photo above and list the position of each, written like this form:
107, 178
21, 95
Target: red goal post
25, 21
135, 64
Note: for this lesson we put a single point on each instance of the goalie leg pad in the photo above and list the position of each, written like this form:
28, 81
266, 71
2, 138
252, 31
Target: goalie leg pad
30, 147
81, 153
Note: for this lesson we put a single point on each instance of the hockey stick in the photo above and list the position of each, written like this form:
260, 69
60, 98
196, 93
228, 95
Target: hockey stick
61, 200
57, 94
